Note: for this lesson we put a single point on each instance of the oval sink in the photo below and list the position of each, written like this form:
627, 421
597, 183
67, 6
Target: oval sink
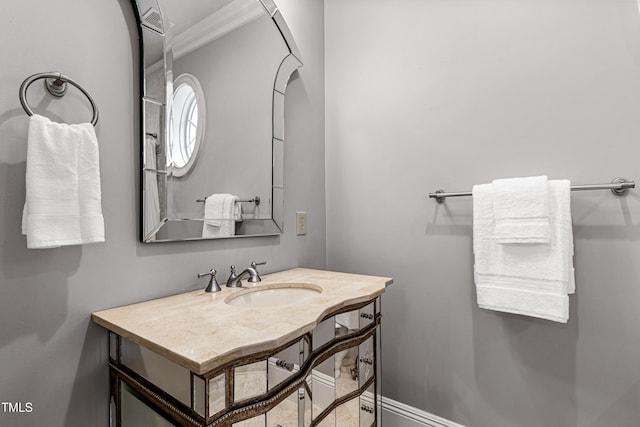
273, 295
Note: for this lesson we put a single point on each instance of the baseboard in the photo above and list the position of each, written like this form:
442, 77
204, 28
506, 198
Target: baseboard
399, 414
394, 414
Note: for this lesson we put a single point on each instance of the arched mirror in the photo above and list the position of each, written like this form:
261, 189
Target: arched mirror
214, 74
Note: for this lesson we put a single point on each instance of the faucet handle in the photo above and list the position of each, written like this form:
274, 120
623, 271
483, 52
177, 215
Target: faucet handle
213, 285
211, 273
254, 263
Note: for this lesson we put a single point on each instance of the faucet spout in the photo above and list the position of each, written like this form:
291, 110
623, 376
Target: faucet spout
235, 280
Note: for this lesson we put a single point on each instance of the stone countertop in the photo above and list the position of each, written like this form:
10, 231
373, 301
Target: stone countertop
200, 332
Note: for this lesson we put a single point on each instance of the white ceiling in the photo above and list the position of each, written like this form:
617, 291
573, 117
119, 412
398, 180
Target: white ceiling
194, 23
183, 14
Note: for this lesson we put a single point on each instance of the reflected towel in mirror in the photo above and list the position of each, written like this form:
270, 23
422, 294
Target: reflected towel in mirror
220, 214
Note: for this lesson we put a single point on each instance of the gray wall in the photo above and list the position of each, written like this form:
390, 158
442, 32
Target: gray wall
50, 353
429, 94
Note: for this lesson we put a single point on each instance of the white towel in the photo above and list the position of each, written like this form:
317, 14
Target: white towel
532, 280
213, 209
220, 214
63, 198
151, 217
521, 210
237, 211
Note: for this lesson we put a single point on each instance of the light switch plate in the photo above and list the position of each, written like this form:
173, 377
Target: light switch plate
301, 223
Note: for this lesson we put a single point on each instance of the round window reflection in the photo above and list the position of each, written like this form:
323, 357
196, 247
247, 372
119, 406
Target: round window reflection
186, 125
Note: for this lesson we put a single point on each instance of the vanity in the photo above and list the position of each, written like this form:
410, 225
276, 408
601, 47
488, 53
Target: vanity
300, 348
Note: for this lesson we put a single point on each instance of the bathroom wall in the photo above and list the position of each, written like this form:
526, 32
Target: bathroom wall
430, 94
50, 353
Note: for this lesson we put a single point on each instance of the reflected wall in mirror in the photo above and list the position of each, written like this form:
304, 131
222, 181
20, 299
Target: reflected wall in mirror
214, 76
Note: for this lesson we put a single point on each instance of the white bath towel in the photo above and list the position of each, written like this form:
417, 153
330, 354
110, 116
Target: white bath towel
220, 214
213, 208
63, 197
532, 280
151, 217
521, 210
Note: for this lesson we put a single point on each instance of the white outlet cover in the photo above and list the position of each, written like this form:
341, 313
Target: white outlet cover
301, 223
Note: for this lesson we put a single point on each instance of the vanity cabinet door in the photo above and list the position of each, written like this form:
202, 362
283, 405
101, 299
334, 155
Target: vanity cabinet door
366, 361
286, 363
348, 414
368, 407
357, 319
249, 380
134, 412
346, 372
291, 412
324, 332
323, 389
285, 414
366, 315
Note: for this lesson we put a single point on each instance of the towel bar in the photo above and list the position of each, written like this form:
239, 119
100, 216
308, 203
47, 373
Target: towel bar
255, 200
56, 85
619, 187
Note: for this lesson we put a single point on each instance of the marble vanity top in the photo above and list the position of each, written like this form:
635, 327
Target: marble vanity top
200, 332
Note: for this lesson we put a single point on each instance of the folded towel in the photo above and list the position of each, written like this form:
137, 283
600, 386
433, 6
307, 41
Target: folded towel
220, 213
213, 209
63, 198
521, 210
236, 213
535, 304
532, 280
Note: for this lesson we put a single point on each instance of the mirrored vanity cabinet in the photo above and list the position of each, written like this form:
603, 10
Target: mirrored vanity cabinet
202, 359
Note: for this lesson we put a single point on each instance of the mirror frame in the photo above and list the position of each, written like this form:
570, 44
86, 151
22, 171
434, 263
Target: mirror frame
289, 64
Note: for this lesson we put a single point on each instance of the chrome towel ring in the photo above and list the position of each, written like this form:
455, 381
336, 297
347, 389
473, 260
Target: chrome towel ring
56, 84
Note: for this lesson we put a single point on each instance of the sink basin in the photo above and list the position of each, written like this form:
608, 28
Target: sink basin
274, 295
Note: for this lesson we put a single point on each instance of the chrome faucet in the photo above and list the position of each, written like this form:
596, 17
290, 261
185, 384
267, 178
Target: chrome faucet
235, 280
213, 285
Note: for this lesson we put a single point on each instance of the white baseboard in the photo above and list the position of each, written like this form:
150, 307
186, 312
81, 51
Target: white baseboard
397, 414
394, 414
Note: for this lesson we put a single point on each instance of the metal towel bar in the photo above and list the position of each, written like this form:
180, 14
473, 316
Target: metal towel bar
255, 200
619, 187
56, 84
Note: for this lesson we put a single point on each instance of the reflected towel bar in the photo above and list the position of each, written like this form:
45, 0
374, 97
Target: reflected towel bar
161, 172
255, 200
619, 187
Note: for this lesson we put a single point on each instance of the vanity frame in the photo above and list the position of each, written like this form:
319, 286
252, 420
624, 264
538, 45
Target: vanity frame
177, 412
